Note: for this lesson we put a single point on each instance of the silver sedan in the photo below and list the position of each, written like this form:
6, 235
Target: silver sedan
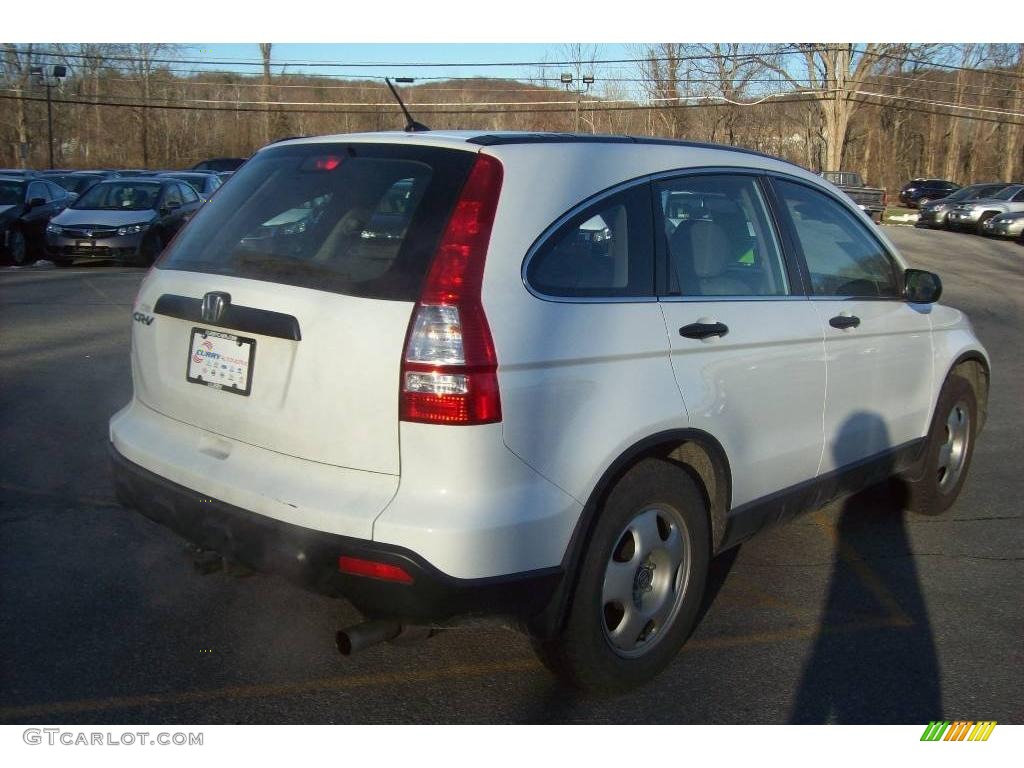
1005, 225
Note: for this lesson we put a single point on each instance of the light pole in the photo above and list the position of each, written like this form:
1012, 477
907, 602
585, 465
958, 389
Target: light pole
588, 80
50, 78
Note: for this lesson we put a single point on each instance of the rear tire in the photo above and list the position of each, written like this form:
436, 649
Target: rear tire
948, 450
640, 582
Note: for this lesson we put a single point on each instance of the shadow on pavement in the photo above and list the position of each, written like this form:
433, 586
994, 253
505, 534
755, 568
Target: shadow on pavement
874, 660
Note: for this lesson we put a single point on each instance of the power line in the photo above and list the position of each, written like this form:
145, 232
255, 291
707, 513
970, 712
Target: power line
809, 97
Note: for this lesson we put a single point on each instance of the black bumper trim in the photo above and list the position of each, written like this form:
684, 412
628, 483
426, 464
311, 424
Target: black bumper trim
309, 558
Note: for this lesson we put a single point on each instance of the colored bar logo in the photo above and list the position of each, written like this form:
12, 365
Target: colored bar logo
959, 730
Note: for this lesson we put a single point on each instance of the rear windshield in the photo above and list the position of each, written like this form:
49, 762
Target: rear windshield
975, 191
1007, 193
359, 219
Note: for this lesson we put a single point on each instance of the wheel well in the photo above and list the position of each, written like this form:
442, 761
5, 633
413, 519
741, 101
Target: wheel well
697, 453
976, 372
710, 469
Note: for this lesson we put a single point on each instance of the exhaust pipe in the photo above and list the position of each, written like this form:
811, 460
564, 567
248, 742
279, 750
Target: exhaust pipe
362, 636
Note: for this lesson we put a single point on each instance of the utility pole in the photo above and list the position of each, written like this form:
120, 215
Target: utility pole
50, 76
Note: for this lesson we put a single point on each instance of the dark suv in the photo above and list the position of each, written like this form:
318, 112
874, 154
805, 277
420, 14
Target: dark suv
917, 192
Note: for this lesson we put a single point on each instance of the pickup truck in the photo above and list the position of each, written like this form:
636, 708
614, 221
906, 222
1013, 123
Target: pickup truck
871, 200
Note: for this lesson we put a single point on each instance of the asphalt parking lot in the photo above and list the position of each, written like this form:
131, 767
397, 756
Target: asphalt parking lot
859, 613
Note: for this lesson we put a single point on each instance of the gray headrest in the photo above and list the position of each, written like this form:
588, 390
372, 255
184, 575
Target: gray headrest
708, 247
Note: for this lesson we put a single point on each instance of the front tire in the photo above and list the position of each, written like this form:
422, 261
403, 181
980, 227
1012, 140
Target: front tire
17, 245
948, 450
981, 222
150, 249
640, 582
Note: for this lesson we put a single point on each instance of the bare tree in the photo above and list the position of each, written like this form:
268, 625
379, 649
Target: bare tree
17, 73
143, 66
1013, 156
265, 53
666, 81
727, 72
833, 71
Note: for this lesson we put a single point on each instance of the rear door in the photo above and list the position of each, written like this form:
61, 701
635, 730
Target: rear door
878, 345
746, 344
280, 312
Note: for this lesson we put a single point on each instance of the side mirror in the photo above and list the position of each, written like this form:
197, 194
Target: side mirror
921, 287
171, 205
36, 202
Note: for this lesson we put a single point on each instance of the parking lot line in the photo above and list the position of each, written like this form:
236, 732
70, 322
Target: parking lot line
263, 691
409, 677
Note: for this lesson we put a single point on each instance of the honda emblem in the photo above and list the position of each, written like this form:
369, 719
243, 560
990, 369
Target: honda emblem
214, 304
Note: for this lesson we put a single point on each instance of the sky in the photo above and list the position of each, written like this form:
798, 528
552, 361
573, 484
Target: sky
405, 53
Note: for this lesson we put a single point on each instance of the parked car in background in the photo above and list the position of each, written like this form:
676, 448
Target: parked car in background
17, 172
1004, 225
871, 200
933, 214
219, 164
77, 182
128, 220
973, 214
918, 192
205, 183
26, 206
451, 392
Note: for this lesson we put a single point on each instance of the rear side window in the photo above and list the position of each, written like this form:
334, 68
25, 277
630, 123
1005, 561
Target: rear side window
605, 250
359, 219
719, 238
843, 258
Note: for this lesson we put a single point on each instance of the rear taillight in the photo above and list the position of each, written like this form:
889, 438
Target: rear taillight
449, 367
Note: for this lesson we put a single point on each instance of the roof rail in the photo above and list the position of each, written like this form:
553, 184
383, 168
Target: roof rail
499, 139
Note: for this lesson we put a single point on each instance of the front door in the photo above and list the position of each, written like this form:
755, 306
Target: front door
878, 345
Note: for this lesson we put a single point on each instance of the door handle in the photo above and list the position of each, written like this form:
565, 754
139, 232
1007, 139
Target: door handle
703, 330
844, 321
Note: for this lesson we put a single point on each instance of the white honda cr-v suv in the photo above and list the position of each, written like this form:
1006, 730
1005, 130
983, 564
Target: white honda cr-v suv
541, 377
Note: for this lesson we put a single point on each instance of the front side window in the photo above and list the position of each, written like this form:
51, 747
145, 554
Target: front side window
188, 194
718, 238
38, 190
605, 250
843, 258
171, 195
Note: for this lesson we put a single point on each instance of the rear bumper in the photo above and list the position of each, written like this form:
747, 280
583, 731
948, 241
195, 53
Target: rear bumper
309, 557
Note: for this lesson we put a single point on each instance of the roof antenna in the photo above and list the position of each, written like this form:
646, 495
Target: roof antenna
411, 126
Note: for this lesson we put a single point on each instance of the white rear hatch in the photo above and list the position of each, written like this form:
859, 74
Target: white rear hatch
314, 256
